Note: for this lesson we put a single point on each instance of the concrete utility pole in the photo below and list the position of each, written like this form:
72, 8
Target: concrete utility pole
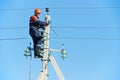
44, 73
46, 54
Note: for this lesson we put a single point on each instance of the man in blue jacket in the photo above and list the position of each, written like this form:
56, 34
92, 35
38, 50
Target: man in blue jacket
35, 25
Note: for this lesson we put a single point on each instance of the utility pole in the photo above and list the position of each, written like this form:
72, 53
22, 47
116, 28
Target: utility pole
44, 73
46, 53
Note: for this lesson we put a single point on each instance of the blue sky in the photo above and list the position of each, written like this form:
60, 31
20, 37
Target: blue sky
89, 29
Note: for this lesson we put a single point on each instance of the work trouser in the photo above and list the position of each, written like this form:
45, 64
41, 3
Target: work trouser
37, 44
37, 39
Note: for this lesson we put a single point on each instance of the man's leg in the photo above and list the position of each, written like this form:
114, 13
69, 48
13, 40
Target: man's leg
37, 48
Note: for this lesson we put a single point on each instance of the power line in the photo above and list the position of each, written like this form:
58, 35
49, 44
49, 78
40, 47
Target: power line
94, 7
13, 27
16, 9
2, 39
69, 38
54, 32
76, 27
87, 38
70, 27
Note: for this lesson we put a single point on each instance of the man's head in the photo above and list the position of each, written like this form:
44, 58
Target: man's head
37, 12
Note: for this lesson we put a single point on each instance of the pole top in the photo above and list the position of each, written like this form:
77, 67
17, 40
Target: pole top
47, 9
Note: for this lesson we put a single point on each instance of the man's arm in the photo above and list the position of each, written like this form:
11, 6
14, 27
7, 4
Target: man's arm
41, 24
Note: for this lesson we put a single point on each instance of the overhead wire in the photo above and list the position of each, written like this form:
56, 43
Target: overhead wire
13, 27
2, 39
82, 7
86, 38
54, 32
76, 27
69, 38
57, 37
93, 7
70, 27
16, 9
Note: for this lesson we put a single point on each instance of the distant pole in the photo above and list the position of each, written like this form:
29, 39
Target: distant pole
30, 67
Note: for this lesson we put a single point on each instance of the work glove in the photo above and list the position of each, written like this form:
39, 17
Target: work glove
47, 19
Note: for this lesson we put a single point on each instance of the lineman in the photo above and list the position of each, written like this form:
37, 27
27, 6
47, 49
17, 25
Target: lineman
34, 31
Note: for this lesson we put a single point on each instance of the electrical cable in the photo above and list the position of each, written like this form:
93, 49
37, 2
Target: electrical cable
80, 38
69, 38
94, 7
70, 27
76, 27
2, 39
13, 28
54, 32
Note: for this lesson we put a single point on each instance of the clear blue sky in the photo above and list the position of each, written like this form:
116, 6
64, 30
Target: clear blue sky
92, 38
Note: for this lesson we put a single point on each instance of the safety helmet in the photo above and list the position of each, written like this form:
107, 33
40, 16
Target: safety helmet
37, 11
